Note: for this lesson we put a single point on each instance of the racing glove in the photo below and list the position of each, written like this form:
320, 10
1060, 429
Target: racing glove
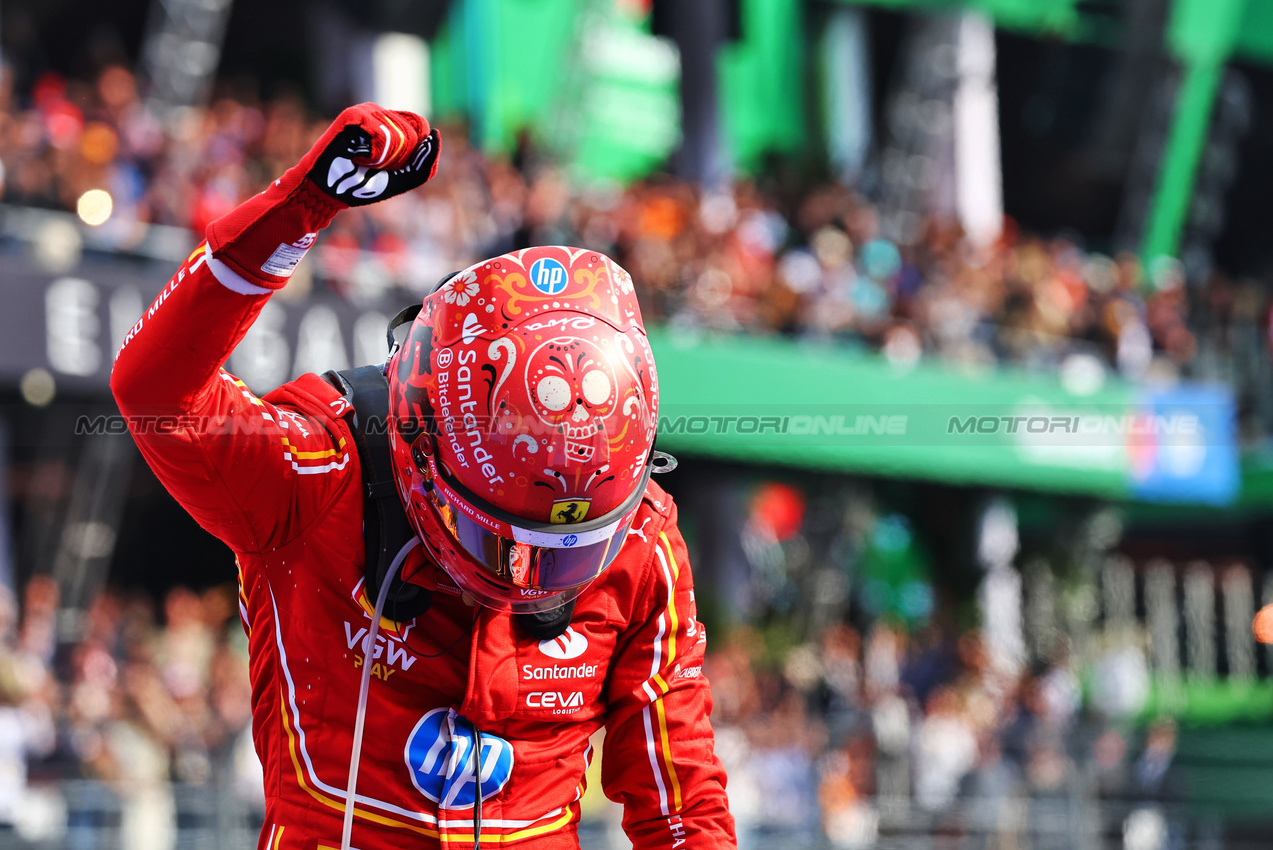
367, 154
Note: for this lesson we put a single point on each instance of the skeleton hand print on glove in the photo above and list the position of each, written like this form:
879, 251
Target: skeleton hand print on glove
339, 176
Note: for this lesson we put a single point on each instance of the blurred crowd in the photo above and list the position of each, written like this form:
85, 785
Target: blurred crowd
835, 735
143, 698
819, 739
760, 255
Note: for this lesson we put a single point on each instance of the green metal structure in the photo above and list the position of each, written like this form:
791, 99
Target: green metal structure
1202, 35
763, 79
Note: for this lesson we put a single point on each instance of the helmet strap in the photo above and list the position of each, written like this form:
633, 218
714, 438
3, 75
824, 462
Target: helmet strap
408, 314
405, 316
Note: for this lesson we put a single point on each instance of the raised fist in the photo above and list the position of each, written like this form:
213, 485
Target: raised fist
367, 154
374, 154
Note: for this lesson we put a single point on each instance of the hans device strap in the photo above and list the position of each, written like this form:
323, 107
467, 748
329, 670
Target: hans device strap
385, 526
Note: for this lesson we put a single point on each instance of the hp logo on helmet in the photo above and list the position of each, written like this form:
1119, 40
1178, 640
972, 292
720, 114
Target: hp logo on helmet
569, 540
548, 276
439, 755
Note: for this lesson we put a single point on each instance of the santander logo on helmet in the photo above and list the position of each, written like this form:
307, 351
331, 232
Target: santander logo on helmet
533, 380
567, 646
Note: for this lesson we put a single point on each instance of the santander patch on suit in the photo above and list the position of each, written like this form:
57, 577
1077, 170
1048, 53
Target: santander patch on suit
558, 677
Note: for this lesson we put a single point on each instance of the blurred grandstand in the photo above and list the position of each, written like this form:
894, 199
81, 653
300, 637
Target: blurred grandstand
879, 241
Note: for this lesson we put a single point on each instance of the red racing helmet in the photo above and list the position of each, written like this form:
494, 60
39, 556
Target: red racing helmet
523, 405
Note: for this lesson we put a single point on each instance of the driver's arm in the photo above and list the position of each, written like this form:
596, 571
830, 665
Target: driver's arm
242, 467
250, 471
659, 758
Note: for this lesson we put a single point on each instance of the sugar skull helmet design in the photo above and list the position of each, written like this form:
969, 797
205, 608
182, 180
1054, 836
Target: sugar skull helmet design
523, 408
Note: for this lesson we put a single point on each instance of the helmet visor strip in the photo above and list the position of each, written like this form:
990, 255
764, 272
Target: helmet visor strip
549, 557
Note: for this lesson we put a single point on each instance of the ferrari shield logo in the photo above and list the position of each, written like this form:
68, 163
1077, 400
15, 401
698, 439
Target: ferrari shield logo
569, 510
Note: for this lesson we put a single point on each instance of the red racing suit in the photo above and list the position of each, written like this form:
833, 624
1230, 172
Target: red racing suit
277, 479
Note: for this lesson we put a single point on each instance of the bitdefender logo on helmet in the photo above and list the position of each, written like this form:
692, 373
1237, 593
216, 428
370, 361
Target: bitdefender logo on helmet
548, 276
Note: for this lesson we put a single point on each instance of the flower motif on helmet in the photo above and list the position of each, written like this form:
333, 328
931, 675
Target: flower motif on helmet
459, 289
622, 280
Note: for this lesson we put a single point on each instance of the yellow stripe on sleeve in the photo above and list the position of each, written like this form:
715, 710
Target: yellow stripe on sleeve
667, 753
299, 455
674, 623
